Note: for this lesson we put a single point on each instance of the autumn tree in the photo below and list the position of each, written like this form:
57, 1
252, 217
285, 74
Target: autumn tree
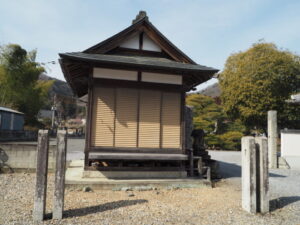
20, 86
259, 79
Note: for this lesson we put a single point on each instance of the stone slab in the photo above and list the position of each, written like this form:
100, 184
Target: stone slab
75, 179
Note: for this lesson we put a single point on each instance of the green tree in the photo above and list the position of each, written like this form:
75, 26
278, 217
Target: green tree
259, 79
19, 78
208, 115
206, 112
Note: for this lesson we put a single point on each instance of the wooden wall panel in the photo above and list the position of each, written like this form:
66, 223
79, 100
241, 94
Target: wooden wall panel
126, 117
149, 119
171, 120
103, 117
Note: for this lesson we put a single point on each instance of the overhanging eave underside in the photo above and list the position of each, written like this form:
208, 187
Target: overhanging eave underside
77, 67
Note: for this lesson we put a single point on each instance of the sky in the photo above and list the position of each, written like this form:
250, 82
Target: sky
206, 30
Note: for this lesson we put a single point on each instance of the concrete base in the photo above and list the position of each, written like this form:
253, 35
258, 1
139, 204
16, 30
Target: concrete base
75, 178
134, 174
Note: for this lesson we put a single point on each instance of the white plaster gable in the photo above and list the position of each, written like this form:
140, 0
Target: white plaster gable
133, 43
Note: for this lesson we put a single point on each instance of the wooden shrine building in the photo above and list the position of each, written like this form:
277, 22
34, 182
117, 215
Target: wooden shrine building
136, 83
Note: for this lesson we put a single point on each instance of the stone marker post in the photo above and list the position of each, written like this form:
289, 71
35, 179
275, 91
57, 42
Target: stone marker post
255, 175
272, 138
263, 174
249, 175
41, 176
59, 186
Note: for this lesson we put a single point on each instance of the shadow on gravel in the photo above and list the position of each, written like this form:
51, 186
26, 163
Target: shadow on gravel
228, 170
281, 202
101, 208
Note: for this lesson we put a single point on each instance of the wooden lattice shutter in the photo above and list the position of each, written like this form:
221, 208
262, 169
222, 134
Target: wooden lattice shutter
149, 119
170, 120
126, 117
103, 117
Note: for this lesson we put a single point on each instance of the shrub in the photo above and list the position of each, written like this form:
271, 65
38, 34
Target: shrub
231, 140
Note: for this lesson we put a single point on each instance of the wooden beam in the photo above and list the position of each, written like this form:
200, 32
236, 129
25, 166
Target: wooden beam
134, 84
138, 52
182, 121
136, 150
137, 156
127, 168
89, 120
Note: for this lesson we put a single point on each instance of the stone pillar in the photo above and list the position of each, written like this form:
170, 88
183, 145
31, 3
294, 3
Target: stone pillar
272, 139
263, 174
59, 186
41, 176
255, 175
249, 197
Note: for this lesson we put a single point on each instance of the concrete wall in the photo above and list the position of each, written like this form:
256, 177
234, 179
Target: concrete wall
22, 155
290, 147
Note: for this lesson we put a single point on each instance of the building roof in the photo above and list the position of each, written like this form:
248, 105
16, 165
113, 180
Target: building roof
141, 24
9, 110
143, 62
77, 66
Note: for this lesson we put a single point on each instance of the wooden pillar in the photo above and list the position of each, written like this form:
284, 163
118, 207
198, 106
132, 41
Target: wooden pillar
41, 176
89, 117
200, 166
208, 174
191, 161
59, 186
188, 127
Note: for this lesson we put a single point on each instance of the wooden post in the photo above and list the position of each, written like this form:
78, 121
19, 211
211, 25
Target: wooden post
191, 161
200, 166
41, 176
208, 174
188, 127
59, 186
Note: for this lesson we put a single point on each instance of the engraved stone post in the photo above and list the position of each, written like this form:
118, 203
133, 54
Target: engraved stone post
255, 175
263, 174
59, 186
41, 176
249, 175
272, 138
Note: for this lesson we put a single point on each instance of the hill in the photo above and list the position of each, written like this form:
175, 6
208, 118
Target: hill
212, 91
59, 87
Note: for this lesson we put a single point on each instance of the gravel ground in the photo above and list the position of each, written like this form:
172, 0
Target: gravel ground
220, 205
